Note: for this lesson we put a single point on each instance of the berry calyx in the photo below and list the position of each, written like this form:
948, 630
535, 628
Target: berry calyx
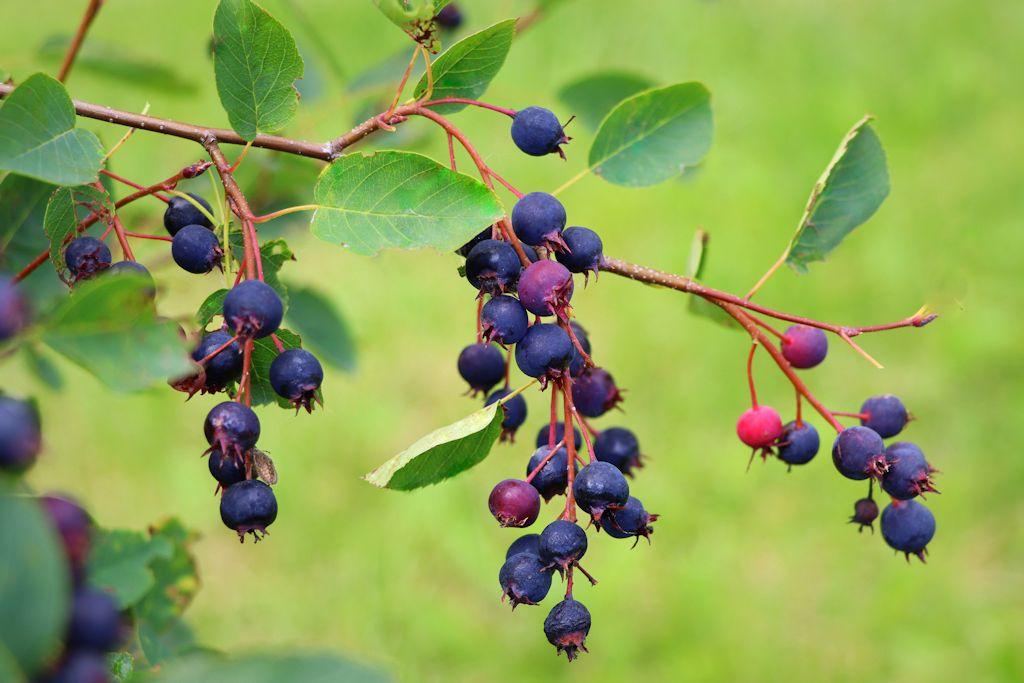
584, 250
20, 440
759, 427
14, 310
544, 352
248, 507
538, 219
865, 511
798, 444
804, 346
562, 544
95, 622
196, 249
524, 580
544, 435
515, 413
537, 131
550, 480
226, 469
85, 257
909, 474
482, 366
223, 368
527, 543
908, 527
493, 266
253, 309
858, 453
594, 392
296, 376
181, 212
513, 502
884, 414
620, 447
503, 319
629, 521
598, 487
545, 288
232, 428
567, 626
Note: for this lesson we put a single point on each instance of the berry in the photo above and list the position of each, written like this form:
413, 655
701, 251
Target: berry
908, 527
232, 428
552, 479
594, 392
136, 269
523, 579
449, 17
226, 469
503, 319
181, 212
513, 502
884, 414
528, 543
909, 472
248, 507
482, 365
583, 252
865, 511
804, 346
858, 453
296, 375
484, 234
562, 543
538, 219
14, 312
543, 436
493, 266
95, 623
618, 446
545, 288
759, 427
600, 486
86, 256
578, 364
196, 249
567, 626
515, 412
536, 131
544, 352
74, 527
81, 667
19, 434
798, 444
253, 309
223, 368
630, 521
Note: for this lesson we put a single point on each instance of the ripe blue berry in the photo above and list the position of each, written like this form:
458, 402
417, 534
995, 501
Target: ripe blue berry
253, 309
538, 219
528, 543
493, 266
908, 527
629, 521
226, 469
75, 530
584, 250
86, 256
223, 368
544, 352
513, 502
618, 446
804, 346
515, 412
504, 320
545, 288
19, 434
232, 427
296, 375
81, 667
600, 486
14, 312
858, 453
536, 131
798, 444
884, 414
543, 436
552, 479
594, 392
181, 212
865, 511
449, 17
95, 622
759, 427
482, 366
561, 544
578, 364
567, 626
523, 580
196, 249
248, 507
909, 473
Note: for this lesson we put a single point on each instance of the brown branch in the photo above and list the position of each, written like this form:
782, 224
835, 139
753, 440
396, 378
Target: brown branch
76, 43
240, 206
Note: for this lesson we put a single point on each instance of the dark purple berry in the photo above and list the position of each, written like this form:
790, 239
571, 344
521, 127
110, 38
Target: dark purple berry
515, 412
567, 626
196, 249
629, 521
578, 364
248, 507
544, 435
253, 309
600, 486
226, 469
865, 511
545, 288
523, 579
537, 131
858, 453
95, 622
449, 17
884, 414
86, 256
561, 544
804, 346
14, 311
504, 320
528, 543
296, 376
544, 352
798, 444
909, 473
908, 527
618, 446
538, 220
594, 392
583, 252
759, 427
513, 502
181, 212
19, 434
482, 366
493, 266
232, 427
484, 234
74, 527
552, 479
81, 667
223, 368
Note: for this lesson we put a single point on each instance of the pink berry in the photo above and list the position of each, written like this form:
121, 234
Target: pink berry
759, 427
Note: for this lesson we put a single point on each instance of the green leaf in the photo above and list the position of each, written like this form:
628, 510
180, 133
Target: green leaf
443, 453
34, 583
262, 668
38, 137
384, 74
416, 18
162, 634
66, 207
467, 67
256, 64
274, 253
591, 97
109, 327
698, 249
399, 200
21, 199
324, 329
42, 367
853, 186
119, 563
119, 64
653, 136
210, 308
264, 351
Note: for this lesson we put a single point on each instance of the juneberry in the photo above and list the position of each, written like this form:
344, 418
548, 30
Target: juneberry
583, 251
804, 346
248, 507
618, 446
95, 622
759, 427
86, 256
74, 528
81, 666
223, 368
865, 511
482, 366
484, 234
134, 269
296, 376
232, 427
884, 414
562, 543
515, 412
552, 479
629, 521
536, 131
181, 212
909, 473
567, 626
253, 309
524, 579
578, 364
908, 527
14, 311
538, 220
544, 352
545, 288
600, 486
799, 443
196, 249
493, 266
513, 502
858, 453
594, 392
544, 435
503, 319
19, 434
226, 469
449, 17
527, 543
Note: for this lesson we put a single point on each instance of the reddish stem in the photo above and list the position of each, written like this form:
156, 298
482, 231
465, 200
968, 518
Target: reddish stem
76, 43
140, 236
277, 343
126, 248
554, 417
473, 103
750, 374
245, 384
508, 185
544, 461
479, 321
131, 183
240, 207
570, 445
859, 416
451, 151
206, 359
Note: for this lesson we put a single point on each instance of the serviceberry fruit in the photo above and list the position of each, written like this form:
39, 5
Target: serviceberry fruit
618, 446
524, 580
594, 392
19, 434
865, 511
81, 666
136, 269
629, 521
528, 543
223, 368
552, 479
14, 311
804, 346
503, 319
600, 486
482, 366
538, 220
296, 376
75, 530
484, 234
95, 622
226, 469
578, 364
858, 453
253, 309
86, 256
537, 131
545, 288
908, 527
909, 473
232, 428
562, 543
567, 626
544, 435
544, 352
759, 427
248, 507
884, 414
493, 266
515, 412
449, 17
513, 502
196, 249
799, 443
181, 212
583, 251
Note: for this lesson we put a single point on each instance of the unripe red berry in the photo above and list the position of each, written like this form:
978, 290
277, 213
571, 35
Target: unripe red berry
513, 502
759, 427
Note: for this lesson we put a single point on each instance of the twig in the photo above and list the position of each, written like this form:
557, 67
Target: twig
76, 43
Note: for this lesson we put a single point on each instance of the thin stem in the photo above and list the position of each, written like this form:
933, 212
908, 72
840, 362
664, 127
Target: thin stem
768, 274
547, 458
451, 151
141, 236
571, 181
841, 413
131, 183
76, 43
473, 103
750, 374
769, 328
124, 138
479, 319
570, 445
245, 384
799, 410
213, 354
508, 185
401, 86
241, 157
428, 68
253, 261
277, 343
554, 417
284, 212
122, 239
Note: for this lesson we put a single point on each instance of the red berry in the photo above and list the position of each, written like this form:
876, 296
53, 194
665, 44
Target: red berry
513, 502
759, 427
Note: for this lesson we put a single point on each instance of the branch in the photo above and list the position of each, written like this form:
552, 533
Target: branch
253, 261
76, 43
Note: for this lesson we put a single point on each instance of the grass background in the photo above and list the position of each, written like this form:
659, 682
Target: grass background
752, 576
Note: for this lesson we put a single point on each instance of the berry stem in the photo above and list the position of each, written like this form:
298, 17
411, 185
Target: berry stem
799, 410
772, 330
568, 581
245, 384
571, 181
508, 367
508, 185
253, 260
284, 212
547, 458
141, 236
563, 322
554, 417
593, 581
122, 239
277, 343
208, 357
479, 321
91, 11
570, 445
750, 374
130, 183
841, 413
473, 103
401, 85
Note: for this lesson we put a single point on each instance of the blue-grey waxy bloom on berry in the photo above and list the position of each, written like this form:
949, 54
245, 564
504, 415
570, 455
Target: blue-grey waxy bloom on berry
95, 622
253, 309
544, 352
19, 434
858, 453
909, 473
14, 310
482, 366
620, 447
85, 257
493, 266
908, 527
567, 626
884, 414
248, 507
181, 212
799, 443
515, 412
232, 427
804, 346
503, 319
562, 543
865, 511
553, 478
545, 288
226, 469
599, 487
537, 131
223, 368
296, 375
629, 521
583, 252
196, 249
527, 543
524, 580
514, 503
544, 435
594, 392
538, 219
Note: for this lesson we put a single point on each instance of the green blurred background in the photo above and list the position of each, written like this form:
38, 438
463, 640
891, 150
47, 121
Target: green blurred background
751, 576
